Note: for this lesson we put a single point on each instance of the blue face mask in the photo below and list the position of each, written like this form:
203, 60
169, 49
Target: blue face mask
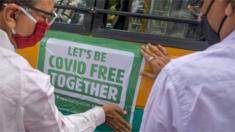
211, 36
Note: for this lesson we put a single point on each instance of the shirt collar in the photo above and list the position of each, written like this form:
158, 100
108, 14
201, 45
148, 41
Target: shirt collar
5, 41
230, 37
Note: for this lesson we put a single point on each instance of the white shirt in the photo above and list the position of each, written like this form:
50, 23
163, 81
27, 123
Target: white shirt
27, 102
195, 93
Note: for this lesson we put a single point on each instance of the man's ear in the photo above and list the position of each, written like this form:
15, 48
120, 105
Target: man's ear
11, 13
229, 10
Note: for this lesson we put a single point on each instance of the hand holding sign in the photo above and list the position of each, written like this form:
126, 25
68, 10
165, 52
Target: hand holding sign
113, 118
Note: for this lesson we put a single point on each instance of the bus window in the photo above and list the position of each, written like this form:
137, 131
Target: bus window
168, 22
163, 8
71, 16
117, 22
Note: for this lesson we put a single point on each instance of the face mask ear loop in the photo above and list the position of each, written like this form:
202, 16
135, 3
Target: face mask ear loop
13, 31
222, 24
209, 7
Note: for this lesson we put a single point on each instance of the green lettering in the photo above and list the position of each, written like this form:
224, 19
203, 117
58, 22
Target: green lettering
81, 68
112, 93
111, 74
102, 72
61, 81
80, 52
59, 62
75, 66
120, 76
93, 70
70, 83
75, 51
97, 56
79, 85
103, 91
68, 64
94, 91
53, 77
88, 54
51, 61
87, 86
70, 51
103, 57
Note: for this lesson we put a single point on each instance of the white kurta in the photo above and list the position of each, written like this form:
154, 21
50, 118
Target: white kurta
27, 102
195, 93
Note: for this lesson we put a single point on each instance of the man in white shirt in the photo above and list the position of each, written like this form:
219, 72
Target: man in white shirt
26, 95
195, 93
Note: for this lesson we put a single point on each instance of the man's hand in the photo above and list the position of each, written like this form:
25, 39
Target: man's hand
157, 57
113, 118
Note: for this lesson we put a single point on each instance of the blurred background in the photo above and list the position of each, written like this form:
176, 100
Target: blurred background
178, 9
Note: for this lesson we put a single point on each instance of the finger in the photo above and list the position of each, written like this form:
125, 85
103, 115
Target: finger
160, 63
148, 50
121, 121
120, 110
146, 56
156, 51
163, 49
157, 61
148, 74
118, 127
112, 125
121, 128
124, 129
111, 122
165, 59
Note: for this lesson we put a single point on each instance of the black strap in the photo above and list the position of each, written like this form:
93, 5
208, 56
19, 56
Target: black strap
222, 23
209, 7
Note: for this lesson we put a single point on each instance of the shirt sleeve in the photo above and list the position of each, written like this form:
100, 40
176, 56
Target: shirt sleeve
161, 111
41, 113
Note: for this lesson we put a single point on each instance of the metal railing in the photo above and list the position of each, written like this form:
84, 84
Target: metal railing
95, 26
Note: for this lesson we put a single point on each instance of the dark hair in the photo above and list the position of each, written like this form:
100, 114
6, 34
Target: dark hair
21, 2
233, 3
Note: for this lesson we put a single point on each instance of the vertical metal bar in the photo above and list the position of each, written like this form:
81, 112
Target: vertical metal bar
98, 19
88, 19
